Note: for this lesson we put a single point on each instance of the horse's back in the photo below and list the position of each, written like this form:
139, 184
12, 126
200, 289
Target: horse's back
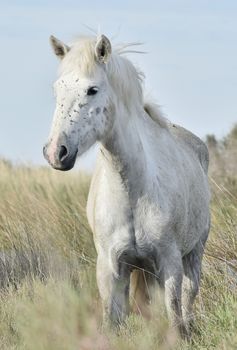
193, 142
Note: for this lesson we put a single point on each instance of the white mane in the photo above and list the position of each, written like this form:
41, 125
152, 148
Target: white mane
125, 79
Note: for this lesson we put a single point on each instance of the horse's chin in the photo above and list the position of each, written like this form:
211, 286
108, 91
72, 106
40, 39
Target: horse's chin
63, 168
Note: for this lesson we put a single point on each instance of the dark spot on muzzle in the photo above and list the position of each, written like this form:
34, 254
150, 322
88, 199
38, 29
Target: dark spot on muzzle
98, 109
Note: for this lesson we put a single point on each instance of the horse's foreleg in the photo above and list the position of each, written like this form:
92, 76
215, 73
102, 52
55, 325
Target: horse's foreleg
114, 292
173, 275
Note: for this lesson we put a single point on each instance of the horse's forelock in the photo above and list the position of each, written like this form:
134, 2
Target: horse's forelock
81, 57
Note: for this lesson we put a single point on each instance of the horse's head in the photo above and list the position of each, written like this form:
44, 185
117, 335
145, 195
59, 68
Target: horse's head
82, 115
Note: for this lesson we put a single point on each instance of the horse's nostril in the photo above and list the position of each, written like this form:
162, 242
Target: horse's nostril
63, 153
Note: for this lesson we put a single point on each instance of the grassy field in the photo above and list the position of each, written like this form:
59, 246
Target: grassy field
48, 294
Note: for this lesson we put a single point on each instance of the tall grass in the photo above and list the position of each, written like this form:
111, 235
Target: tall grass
48, 294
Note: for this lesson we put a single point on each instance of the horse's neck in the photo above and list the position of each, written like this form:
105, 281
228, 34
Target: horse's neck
125, 150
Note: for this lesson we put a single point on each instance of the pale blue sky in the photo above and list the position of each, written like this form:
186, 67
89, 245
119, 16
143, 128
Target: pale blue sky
191, 65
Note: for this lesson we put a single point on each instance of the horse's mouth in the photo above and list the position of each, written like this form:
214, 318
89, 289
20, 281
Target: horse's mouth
63, 167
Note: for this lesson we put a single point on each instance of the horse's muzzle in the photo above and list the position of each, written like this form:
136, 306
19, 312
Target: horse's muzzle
61, 158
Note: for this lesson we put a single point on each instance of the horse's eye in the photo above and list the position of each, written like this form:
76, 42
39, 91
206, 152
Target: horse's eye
92, 90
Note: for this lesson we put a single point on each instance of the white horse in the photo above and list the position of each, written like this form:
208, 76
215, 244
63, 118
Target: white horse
148, 204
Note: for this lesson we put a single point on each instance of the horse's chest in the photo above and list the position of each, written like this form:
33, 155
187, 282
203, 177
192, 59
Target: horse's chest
124, 221
120, 225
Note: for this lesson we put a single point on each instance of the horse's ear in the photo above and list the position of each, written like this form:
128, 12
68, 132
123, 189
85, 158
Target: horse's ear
60, 49
103, 49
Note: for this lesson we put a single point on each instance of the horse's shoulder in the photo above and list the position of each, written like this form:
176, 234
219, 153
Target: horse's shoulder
193, 142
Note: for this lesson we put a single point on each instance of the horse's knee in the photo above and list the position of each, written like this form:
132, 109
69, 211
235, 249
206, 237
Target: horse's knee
104, 278
173, 275
114, 292
190, 289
